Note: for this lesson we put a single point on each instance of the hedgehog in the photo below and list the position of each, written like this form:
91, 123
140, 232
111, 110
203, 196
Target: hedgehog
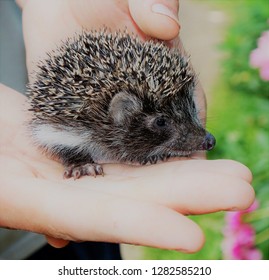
103, 97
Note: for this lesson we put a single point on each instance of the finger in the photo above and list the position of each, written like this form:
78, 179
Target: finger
200, 194
71, 213
158, 19
224, 167
128, 221
56, 242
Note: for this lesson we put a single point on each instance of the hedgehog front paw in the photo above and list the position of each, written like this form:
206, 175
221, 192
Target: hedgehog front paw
88, 169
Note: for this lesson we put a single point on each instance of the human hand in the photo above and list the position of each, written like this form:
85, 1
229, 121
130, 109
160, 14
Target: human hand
137, 205
47, 23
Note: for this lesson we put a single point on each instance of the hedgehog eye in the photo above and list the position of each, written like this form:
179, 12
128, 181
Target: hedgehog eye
160, 122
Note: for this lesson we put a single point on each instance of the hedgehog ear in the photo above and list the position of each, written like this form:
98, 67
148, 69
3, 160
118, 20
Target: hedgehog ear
123, 106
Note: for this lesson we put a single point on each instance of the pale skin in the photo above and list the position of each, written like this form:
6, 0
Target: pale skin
137, 205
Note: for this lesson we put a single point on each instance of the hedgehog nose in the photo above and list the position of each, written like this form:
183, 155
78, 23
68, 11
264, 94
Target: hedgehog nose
209, 142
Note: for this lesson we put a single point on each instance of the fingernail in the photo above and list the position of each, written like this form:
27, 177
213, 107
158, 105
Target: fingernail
163, 10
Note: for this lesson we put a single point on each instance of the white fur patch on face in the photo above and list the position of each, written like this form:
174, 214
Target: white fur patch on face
49, 136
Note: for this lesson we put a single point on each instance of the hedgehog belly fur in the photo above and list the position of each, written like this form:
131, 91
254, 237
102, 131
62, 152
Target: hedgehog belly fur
48, 135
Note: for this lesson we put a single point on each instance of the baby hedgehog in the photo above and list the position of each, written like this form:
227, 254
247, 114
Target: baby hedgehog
103, 97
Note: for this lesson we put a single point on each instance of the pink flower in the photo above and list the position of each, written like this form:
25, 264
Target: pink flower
259, 57
239, 237
246, 253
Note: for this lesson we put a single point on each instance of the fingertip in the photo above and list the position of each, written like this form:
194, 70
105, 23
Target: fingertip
239, 195
239, 169
197, 240
187, 236
56, 242
246, 197
246, 172
157, 20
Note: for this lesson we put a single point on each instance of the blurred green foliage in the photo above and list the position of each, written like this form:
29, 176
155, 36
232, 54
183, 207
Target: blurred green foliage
249, 19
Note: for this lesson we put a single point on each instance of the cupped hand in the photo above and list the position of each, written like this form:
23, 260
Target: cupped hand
137, 205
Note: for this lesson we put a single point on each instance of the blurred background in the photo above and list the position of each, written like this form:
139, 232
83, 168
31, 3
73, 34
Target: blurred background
229, 51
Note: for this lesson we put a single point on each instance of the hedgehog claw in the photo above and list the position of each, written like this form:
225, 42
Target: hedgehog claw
66, 174
68, 171
76, 173
88, 169
99, 170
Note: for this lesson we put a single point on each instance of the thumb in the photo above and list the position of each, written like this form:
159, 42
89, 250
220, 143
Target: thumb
156, 18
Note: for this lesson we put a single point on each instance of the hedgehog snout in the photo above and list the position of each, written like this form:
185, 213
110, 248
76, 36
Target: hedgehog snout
209, 142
